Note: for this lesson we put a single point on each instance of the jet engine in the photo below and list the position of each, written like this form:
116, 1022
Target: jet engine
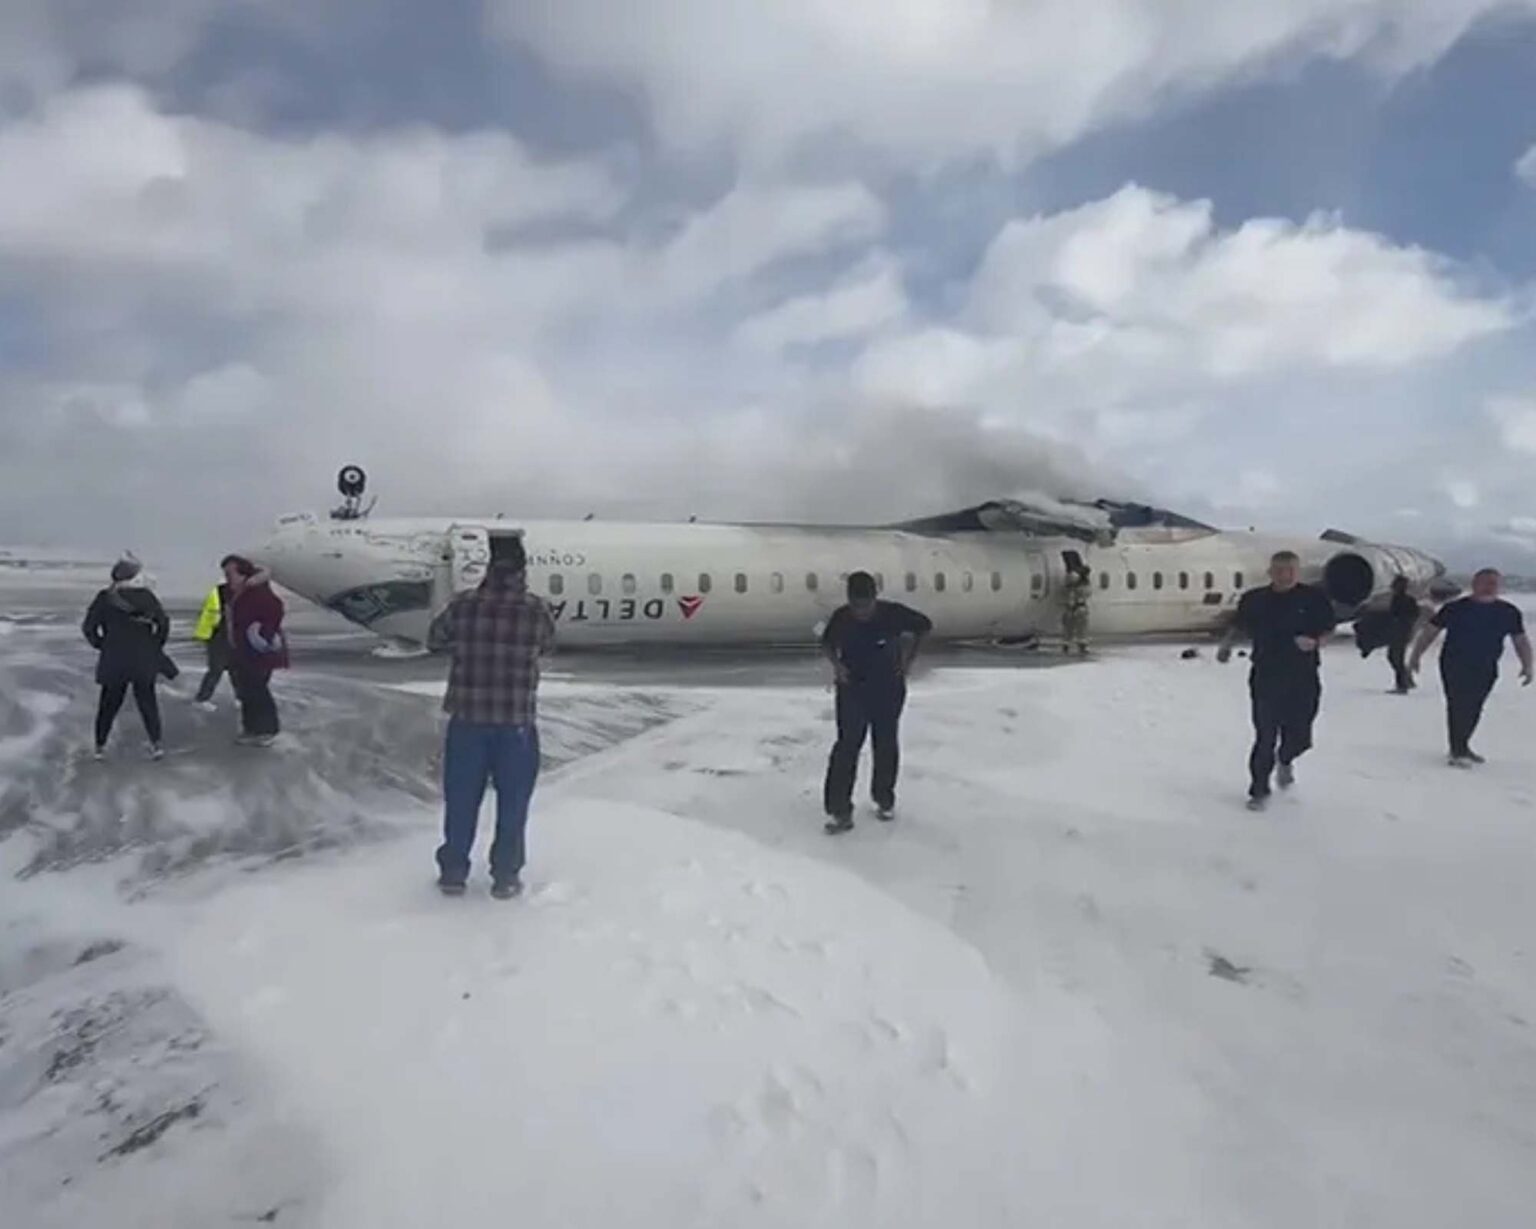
1362, 573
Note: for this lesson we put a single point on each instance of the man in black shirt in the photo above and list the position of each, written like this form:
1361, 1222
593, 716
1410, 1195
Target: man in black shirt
1288, 622
871, 645
1475, 628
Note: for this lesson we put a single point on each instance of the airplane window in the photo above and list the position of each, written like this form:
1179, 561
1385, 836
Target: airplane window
776, 582
967, 582
1130, 580
997, 582
1237, 580
594, 583
741, 582
627, 583
1183, 580
556, 584
911, 582
938, 582
1103, 580
1210, 581
666, 582
879, 582
706, 583
1157, 580
1037, 584
811, 582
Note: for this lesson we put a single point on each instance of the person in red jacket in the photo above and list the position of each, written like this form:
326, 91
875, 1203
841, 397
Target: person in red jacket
257, 649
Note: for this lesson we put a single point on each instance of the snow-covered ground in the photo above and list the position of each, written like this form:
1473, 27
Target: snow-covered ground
1075, 985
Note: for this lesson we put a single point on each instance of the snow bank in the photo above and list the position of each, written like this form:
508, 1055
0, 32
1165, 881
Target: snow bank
681, 1029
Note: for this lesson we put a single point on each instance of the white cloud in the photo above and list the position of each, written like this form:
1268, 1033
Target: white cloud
856, 306
1462, 492
751, 227
1516, 420
1145, 279
1525, 168
1129, 303
228, 314
928, 81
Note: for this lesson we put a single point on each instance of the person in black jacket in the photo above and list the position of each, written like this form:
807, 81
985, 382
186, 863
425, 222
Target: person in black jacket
128, 628
1288, 623
871, 645
1402, 618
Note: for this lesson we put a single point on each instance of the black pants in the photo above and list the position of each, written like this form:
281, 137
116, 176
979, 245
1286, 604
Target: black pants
1397, 655
1466, 691
112, 697
865, 711
218, 666
1284, 707
258, 710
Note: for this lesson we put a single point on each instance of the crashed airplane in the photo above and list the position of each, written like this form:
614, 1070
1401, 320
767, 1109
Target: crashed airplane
992, 572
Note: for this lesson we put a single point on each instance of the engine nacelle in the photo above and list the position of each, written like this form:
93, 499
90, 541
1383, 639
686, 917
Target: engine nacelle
1363, 574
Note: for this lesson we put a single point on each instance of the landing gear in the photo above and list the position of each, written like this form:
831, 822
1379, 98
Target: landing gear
352, 482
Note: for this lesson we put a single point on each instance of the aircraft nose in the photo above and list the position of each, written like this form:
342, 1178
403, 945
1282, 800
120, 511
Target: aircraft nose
287, 554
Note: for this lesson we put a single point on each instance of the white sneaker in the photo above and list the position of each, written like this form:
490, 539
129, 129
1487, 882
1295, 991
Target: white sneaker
99, 754
156, 751
208, 706
1459, 761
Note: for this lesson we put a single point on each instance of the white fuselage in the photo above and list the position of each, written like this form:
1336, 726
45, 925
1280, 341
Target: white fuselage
627, 583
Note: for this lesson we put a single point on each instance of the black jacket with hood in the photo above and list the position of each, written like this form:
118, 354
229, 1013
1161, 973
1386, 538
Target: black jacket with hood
128, 627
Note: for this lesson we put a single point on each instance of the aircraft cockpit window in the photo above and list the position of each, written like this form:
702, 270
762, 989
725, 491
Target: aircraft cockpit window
997, 582
776, 582
1210, 581
1130, 580
939, 582
741, 582
667, 583
1157, 580
967, 582
911, 582
706, 582
556, 584
594, 583
812, 582
627, 583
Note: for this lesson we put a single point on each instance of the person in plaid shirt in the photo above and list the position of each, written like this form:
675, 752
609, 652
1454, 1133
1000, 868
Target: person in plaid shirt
497, 633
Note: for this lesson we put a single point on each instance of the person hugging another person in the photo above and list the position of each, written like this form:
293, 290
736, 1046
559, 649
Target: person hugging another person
258, 648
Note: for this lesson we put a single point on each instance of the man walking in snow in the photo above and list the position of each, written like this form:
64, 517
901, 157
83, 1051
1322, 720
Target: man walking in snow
871, 645
1475, 628
1288, 623
497, 633
1402, 619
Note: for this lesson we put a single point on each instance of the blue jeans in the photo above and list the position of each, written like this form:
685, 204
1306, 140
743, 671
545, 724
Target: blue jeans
475, 755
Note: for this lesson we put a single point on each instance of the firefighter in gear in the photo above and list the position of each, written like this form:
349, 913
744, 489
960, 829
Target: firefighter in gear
1074, 612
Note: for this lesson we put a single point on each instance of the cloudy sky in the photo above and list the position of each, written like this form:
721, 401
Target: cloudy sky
855, 259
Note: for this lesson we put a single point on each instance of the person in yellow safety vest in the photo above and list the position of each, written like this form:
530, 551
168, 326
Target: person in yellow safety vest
211, 631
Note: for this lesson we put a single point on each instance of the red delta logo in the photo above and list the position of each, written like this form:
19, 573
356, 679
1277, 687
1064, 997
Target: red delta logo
689, 606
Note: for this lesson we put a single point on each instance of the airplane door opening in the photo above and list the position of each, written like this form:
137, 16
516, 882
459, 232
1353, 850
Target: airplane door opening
470, 556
